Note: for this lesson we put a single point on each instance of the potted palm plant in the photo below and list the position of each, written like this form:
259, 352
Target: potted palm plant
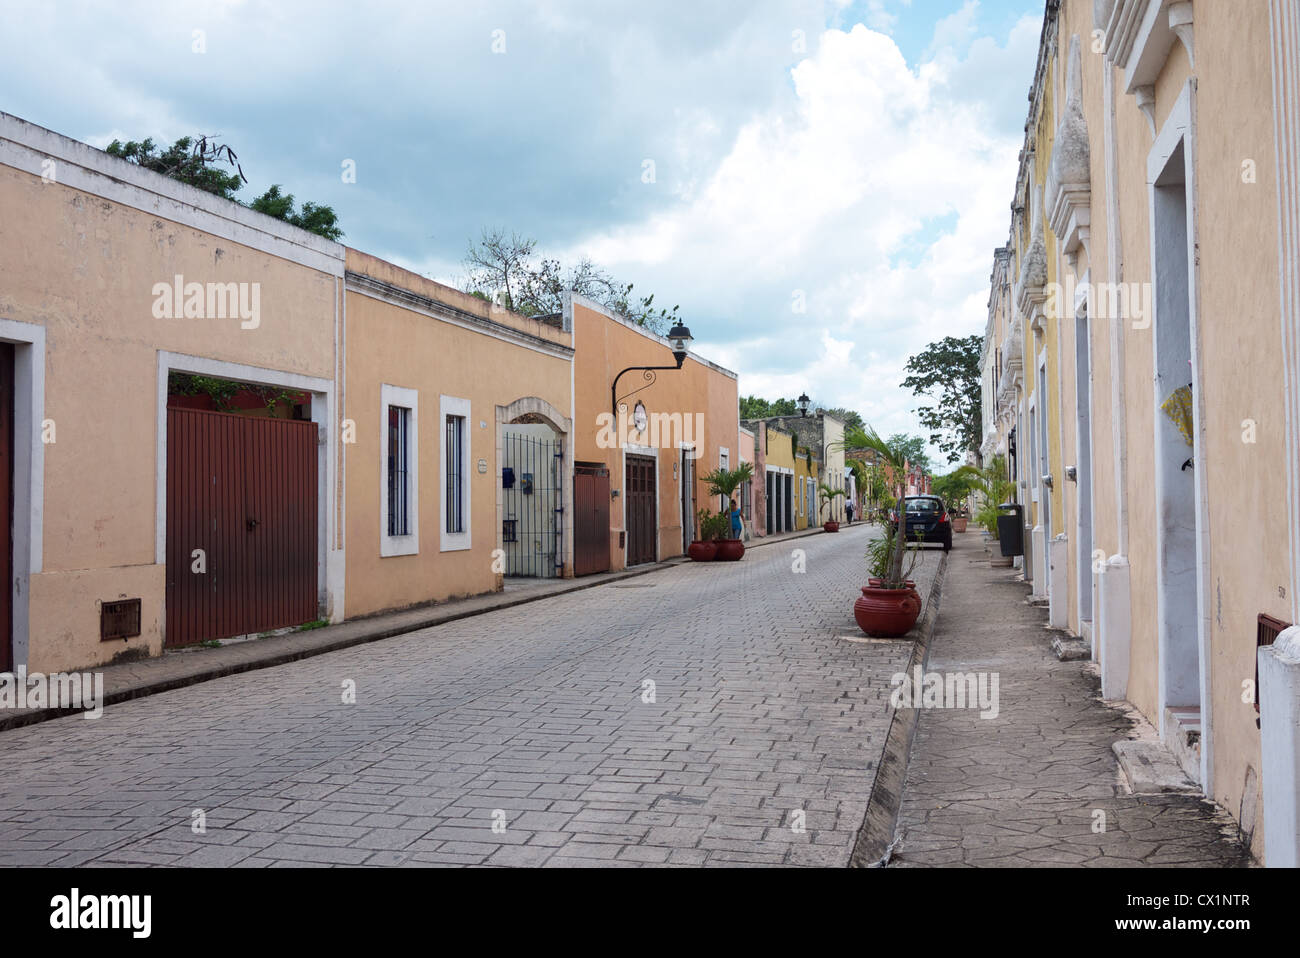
705, 546
993, 489
724, 483
826, 495
889, 605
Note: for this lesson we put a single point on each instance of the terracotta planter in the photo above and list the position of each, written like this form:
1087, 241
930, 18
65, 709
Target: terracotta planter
702, 551
959, 524
887, 613
831, 526
730, 550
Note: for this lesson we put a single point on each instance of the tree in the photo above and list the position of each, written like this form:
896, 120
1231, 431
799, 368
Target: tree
948, 372
504, 268
913, 448
893, 456
850, 419
194, 161
752, 407
321, 220
188, 160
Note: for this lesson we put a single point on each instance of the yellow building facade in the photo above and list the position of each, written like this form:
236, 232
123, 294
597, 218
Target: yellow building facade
1138, 377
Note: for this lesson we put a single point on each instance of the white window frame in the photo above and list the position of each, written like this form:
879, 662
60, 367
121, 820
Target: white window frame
455, 541
409, 544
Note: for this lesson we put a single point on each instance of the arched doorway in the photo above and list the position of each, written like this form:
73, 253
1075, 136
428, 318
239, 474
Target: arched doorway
534, 478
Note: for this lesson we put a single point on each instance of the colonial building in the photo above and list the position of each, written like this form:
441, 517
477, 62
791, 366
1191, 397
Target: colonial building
646, 430
1141, 385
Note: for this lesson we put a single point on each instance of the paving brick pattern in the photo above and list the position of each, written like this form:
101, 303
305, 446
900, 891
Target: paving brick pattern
532, 714
1024, 789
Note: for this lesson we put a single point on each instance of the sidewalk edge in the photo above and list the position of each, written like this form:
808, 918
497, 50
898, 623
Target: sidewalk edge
876, 836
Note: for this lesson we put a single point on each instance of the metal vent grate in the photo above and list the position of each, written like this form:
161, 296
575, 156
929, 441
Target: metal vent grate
1266, 632
119, 620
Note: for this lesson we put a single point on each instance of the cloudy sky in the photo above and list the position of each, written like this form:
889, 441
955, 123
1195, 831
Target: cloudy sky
856, 157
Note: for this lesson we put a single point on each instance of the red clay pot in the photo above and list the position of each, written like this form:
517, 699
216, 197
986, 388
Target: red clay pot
831, 526
702, 551
887, 613
730, 550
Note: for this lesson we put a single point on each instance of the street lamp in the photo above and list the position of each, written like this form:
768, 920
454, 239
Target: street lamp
803, 403
679, 341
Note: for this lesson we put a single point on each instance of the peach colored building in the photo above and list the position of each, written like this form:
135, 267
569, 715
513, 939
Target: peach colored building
665, 434
117, 281
442, 387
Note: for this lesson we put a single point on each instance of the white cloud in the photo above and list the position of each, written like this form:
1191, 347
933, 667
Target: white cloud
841, 193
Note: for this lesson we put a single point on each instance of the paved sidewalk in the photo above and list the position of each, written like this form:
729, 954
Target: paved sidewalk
1028, 788
178, 668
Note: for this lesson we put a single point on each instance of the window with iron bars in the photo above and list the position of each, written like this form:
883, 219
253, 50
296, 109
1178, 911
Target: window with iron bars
455, 450
399, 424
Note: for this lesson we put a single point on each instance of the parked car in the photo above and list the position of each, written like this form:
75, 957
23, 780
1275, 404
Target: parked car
927, 518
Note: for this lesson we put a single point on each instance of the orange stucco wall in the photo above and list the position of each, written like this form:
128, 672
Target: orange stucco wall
603, 346
401, 346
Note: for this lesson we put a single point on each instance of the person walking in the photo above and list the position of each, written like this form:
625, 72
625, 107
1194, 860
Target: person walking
737, 524
849, 510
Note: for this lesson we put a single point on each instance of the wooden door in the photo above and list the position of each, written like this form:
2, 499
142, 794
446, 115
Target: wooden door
639, 489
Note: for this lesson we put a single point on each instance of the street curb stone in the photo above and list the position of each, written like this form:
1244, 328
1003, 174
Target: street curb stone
876, 836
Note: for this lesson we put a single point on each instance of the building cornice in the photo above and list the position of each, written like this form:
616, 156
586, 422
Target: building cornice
395, 295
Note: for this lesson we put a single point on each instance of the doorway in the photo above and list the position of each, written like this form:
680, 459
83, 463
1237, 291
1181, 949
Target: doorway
1176, 389
639, 504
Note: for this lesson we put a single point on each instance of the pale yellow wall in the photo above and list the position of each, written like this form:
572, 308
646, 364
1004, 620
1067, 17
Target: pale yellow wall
1242, 375
1240, 361
397, 346
84, 267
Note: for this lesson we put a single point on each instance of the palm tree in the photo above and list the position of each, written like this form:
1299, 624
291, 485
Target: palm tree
893, 457
828, 494
725, 482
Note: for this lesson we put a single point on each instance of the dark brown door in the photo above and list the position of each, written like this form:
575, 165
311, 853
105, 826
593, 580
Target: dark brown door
590, 520
639, 488
242, 489
7, 505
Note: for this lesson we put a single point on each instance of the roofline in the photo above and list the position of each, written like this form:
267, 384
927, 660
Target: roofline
570, 298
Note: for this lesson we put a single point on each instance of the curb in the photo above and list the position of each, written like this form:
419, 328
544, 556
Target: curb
437, 615
875, 840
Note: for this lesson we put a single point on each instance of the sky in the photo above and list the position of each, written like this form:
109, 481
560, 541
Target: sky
818, 184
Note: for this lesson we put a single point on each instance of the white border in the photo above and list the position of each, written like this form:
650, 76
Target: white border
454, 406
1180, 128
331, 573
407, 545
632, 449
28, 474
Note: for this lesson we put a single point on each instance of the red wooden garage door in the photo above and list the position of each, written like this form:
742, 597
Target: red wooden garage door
243, 490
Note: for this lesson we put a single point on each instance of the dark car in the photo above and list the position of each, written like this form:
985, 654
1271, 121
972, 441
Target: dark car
927, 519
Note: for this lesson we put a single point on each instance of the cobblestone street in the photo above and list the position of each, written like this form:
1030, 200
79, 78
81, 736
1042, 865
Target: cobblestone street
532, 716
